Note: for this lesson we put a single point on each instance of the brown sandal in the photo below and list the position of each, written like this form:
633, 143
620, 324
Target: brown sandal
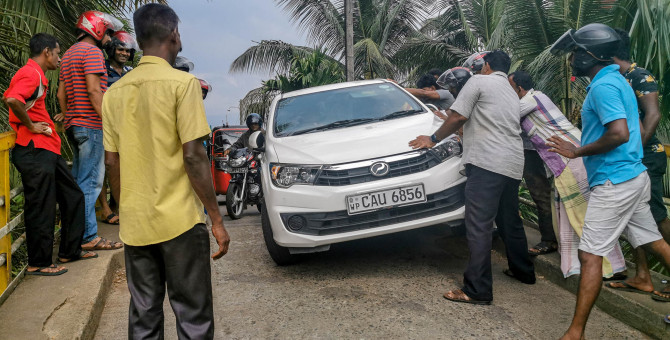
104, 244
457, 295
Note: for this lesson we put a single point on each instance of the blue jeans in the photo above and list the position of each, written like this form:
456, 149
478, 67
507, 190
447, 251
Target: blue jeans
88, 169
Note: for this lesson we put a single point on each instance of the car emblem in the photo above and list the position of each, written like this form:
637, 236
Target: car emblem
379, 169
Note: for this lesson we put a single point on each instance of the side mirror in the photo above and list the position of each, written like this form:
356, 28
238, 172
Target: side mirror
257, 141
432, 107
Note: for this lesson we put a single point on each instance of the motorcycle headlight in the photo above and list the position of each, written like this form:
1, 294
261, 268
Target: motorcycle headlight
446, 149
235, 162
286, 175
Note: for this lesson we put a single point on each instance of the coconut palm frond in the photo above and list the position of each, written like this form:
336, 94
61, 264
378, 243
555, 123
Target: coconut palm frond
268, 56
321, 20
257, 100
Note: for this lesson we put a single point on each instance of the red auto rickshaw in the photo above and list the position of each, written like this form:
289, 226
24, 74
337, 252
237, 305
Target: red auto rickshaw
223, 138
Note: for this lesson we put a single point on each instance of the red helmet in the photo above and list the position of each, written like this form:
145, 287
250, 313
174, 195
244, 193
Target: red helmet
96, 24
125, 40
206, 88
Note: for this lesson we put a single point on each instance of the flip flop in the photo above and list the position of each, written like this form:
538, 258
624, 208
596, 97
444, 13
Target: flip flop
662, 296
464, 298
108, 220
543, 248
39, 271
667, 318
626, 288
104, 244
81, 257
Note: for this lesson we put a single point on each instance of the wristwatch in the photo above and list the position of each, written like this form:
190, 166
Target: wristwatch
434, 139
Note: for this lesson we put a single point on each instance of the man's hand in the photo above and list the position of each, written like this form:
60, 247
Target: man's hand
421, 142
222, 239
58, 117
440, 115
40, 128
562, 147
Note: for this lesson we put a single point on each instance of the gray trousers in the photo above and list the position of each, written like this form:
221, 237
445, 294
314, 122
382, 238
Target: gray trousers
181, 264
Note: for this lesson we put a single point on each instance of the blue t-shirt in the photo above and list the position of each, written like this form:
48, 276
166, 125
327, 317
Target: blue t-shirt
609, 98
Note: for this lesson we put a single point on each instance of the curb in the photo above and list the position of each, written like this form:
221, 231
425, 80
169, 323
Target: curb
93, 320
636, 310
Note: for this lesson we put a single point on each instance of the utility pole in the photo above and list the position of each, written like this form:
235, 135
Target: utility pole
349, 40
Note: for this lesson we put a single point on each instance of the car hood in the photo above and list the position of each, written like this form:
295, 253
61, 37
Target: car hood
354, 143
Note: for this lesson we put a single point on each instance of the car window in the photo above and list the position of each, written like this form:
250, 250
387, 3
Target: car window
315, 110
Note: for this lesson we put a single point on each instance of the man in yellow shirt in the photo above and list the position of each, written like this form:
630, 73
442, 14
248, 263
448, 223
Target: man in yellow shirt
153, 125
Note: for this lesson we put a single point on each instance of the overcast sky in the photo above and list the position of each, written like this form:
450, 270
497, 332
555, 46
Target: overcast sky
215, 32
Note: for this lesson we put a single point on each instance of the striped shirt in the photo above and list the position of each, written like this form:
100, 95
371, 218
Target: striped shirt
541, 119
82, 59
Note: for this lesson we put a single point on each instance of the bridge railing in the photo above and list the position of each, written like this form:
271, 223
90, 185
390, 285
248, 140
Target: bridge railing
7, 247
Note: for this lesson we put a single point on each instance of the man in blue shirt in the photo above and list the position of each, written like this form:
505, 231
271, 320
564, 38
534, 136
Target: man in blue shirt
612, 151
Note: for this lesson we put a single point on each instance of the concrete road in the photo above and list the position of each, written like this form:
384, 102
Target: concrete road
388, 287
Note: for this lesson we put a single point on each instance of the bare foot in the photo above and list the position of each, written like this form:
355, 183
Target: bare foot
572, 335
643, 285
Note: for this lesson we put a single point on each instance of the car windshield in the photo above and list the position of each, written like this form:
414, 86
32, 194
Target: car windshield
341, 108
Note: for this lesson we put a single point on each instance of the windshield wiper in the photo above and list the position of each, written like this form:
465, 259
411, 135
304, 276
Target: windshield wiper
337, 124
399, 114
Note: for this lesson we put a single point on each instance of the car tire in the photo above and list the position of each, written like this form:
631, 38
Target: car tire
279, 254
234, 211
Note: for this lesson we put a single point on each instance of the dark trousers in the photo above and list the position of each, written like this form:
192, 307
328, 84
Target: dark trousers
490, 196
46, 181
183, 265
539, 187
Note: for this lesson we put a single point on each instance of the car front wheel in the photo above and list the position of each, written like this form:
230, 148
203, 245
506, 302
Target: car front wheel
279, 254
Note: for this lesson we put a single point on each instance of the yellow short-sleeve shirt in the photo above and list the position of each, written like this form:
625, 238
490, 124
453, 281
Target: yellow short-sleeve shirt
147, 116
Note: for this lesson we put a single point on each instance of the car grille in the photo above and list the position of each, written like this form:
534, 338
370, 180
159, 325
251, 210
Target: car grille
362, 174
336, 222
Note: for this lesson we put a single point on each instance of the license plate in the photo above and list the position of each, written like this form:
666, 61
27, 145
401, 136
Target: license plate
237, 170
389, 198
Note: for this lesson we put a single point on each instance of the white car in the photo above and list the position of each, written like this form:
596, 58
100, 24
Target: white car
337, 167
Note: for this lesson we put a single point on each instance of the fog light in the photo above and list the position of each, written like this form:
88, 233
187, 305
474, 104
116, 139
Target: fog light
296, 222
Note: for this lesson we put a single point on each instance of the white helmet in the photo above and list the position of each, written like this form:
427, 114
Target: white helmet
256, 140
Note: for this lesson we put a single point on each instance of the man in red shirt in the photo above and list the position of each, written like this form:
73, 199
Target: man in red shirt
81, 83
45, 175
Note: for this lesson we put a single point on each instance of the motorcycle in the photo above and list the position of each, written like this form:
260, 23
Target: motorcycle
245, 183
218, 144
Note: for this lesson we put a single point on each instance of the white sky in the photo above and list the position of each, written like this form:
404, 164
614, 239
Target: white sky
215, 32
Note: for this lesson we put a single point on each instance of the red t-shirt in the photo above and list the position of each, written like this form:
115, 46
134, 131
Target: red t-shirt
79, 60
25, 86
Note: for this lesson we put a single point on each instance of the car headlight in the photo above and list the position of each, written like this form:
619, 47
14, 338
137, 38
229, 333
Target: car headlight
446, 149
236, 162
286, 175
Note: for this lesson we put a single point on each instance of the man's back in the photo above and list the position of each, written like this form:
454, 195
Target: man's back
79, 60
491, 136
148, 115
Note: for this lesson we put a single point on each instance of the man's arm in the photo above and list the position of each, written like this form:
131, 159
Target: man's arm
94, 92
19, 110
197, 168
239, 143
113, 166
423, 93
62, 102
652, 115
454, 122
616, 134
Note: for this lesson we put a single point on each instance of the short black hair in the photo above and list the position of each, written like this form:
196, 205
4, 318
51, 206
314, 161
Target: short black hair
623, 52
426, 80
498, 60
154, 23
40, 41
523, 79
435, 72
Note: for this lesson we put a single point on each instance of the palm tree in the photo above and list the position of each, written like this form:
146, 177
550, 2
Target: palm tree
312, 69
20, 19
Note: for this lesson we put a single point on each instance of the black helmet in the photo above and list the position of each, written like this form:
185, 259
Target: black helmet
591, 44
183, 64
475, 62
254, 118
454, 78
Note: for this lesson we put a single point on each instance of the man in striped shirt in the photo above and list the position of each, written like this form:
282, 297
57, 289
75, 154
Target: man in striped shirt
82, 82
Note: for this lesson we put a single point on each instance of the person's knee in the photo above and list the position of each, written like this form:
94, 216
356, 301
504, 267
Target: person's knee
589, 260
